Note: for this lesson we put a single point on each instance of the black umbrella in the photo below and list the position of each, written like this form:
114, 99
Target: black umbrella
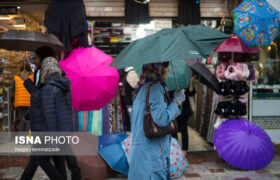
21, 40
204, 75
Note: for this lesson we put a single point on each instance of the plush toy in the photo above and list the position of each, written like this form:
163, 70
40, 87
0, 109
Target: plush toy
243, 88
242, 71
224, 109
233, 88
220, 72
238, 109
231, 73
223, 88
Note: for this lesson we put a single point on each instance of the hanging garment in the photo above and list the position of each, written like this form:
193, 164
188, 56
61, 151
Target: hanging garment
189, 12
110, 118
96, 122
136, 13
213, 118
105, 119
67, 19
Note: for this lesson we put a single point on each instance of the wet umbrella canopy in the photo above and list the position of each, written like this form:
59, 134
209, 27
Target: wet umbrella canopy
21, 40
170, 45
204, 75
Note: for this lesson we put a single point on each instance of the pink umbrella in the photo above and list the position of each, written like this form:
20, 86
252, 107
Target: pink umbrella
235, 44
93, 81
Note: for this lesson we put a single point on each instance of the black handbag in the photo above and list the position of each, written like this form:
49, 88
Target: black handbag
151, 129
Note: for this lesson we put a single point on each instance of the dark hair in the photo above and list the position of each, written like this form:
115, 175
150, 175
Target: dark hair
44, 52
165, 64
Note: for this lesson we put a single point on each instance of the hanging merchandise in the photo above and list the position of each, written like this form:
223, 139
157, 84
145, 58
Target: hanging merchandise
234, 44
67, 19
256, 22
235, 71
136, 13
189, 12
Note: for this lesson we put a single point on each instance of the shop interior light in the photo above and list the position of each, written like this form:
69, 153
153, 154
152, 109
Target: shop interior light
19, 25
5, 18
18, 7
269, 48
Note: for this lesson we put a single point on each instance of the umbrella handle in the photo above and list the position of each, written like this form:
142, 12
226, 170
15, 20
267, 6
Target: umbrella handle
177, 86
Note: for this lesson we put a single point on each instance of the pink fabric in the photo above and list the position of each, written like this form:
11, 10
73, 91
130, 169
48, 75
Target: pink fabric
235, 44
93, 81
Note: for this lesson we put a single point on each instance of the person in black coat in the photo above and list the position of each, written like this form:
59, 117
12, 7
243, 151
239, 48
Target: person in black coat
183, 118
33, 164
55, 97
56, 105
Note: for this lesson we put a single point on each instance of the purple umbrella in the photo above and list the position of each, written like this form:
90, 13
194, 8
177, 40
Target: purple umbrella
243, 144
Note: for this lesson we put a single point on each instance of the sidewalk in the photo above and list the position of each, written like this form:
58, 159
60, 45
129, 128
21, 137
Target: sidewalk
203, 166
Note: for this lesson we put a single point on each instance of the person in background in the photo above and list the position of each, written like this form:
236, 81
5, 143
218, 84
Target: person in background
183, 119
128, 83
41, 54
150, 158
22, 97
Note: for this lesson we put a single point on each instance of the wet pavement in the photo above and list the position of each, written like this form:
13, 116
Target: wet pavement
202, 166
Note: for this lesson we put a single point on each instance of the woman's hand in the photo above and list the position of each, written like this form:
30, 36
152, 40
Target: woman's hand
193, 78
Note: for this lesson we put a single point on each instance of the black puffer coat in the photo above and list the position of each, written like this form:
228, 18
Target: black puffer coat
56, 104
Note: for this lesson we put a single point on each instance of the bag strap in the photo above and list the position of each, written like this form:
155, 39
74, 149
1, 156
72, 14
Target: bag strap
147, 97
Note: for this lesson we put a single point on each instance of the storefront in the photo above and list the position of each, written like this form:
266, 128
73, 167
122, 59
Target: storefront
266, 96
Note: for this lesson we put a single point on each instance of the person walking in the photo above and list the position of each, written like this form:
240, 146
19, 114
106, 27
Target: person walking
22, 97
150, 158
41, 54
56, 105
183, 119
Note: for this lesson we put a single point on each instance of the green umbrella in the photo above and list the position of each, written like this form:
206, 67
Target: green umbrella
182, 76
181, 79
175, 44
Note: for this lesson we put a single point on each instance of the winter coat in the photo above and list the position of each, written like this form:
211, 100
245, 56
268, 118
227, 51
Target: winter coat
150, 157
35, 116
56, 106
22, 96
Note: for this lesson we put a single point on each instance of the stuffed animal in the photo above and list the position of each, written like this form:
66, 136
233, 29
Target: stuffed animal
231, 73
223, 88
220, 72
224, 109
238, 109
242, 71
243, 88
233, 88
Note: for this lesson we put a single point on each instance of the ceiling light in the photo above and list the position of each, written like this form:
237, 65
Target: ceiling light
5, 18
18, 7
19, 25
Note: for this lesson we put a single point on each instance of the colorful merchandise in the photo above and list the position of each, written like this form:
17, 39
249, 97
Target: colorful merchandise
236, 45
256, 22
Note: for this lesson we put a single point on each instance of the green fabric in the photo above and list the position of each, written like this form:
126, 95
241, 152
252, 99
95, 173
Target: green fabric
175, 44
97, 123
